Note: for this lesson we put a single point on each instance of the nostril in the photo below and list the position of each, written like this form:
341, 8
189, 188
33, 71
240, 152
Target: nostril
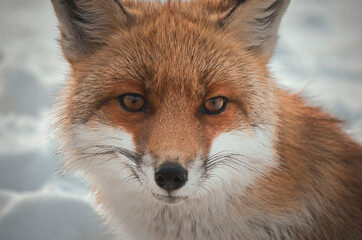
170, 176
160, 179
176, 179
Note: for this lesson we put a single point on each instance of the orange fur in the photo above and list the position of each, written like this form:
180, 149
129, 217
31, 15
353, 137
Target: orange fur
179, 54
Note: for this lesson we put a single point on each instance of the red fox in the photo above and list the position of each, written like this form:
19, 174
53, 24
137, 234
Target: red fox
171, 115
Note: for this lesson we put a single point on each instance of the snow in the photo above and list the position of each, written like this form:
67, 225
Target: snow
319, 55
50, 216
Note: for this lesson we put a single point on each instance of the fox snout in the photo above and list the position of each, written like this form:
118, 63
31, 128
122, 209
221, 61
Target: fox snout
170, 176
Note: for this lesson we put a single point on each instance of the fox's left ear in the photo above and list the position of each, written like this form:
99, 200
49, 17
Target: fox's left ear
86, 24
256, 23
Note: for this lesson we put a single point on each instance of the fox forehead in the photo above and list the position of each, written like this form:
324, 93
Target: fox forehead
167, 62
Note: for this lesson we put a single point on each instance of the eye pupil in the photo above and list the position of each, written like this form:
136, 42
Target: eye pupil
215, 105
132, 102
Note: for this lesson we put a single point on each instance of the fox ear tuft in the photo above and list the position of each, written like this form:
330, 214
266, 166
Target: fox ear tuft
85, 24
256, 22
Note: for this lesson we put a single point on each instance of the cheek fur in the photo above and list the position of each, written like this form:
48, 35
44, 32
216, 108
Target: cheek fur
96, 146
242, 155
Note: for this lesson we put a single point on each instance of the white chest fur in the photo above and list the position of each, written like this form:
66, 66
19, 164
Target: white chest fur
144, 218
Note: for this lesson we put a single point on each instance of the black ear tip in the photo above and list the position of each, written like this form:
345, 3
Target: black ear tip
84, 24
60, 1
262, 18
238, 2
121, 7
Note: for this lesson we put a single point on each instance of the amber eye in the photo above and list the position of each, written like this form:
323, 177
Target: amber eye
214, 105
132, 102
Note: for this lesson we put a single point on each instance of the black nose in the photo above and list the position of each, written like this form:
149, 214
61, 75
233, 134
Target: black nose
170, 176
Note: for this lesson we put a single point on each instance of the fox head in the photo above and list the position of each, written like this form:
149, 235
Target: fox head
171, 101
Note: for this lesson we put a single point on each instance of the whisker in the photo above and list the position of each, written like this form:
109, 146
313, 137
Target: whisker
127, 179
107, 149
231, 160
89, 156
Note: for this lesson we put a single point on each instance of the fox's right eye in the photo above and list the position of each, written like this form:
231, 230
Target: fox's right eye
214, 105
132, 102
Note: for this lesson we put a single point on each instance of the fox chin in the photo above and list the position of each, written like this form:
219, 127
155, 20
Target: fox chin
171, 114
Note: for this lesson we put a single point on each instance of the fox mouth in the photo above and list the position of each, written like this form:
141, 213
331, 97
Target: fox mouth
169, 199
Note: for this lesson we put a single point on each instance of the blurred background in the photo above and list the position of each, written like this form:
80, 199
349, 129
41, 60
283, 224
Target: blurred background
319, 54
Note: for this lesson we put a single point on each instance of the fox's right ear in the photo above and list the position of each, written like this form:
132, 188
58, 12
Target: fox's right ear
85, 24
255, 22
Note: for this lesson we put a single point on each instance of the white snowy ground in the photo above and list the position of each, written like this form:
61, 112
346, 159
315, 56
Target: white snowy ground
319, 53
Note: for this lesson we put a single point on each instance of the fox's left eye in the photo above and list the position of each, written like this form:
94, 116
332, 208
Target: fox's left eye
214, 105
132, 102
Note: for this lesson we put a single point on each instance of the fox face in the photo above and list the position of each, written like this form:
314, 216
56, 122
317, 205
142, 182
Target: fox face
170, 107
171, 114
